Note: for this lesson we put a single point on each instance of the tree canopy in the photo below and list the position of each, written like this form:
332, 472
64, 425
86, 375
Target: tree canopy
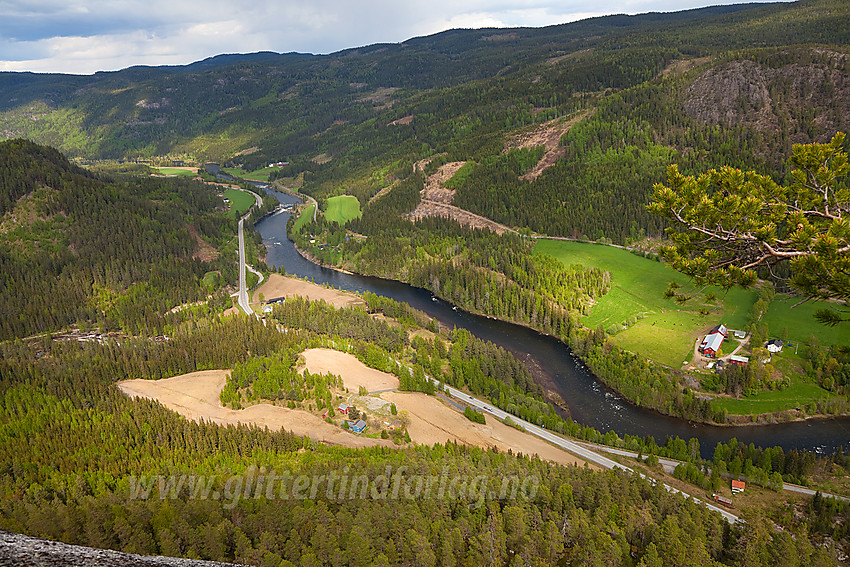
729, 223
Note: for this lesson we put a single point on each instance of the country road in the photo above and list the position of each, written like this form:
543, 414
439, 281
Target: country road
574, 448
669, 465
243, 289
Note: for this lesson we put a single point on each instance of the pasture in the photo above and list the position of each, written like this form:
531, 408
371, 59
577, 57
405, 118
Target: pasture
797, 395
799, 323
342, 209
666, 330
240, 201
176, 171
305, 217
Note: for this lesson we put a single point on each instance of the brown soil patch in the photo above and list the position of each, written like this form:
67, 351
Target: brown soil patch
435, 189
433, 422
381, 96
195, 396
205, 251
548, 135
353, 372
403, 121
282, 286
573, 55
436, 201
465, 218
680, 66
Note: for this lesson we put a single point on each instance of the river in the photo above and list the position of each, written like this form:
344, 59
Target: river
589, 401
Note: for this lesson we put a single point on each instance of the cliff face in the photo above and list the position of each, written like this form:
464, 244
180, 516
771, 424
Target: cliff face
806, 92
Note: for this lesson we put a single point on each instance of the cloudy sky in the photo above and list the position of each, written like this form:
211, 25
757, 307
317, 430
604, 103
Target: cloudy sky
85, 36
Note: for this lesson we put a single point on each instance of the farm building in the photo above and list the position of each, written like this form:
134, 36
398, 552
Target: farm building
711, 344
738, 486
741, 360
396, 424
740, 334
343, 408
774, 345
357, 426
720, 329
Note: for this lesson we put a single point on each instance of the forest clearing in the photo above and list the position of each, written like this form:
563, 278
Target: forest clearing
277, 286
195, 396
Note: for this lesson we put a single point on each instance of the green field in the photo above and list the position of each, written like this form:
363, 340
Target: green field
797, 395
258, 175
667, 331
306, 216
342, 209
175, 171
240, 201
800, 322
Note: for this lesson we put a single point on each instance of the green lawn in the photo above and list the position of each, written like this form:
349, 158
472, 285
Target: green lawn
668, 330
258, 175
800, 322
240, 201
175, 171
306, 216
798, 394
342, 209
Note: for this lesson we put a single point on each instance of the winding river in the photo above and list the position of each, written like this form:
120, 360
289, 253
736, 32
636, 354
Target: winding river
553, 365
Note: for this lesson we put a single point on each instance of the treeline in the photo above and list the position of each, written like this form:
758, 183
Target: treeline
275, 378
85, 249
321, 317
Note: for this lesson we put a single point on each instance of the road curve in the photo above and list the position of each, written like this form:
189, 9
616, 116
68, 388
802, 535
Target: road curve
574, 448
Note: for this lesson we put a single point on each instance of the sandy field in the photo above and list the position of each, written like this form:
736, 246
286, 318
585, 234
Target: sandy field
431, 420
353, 372
434, 422
282, 286
195, 396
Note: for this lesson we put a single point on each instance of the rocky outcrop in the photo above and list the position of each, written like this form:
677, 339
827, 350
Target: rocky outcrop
805, 92
17, 549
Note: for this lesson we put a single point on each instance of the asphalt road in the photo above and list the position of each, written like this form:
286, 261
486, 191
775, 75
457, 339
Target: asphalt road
243, 290
574, 448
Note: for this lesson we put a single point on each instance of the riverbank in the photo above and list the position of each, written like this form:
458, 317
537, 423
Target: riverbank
599, 369
590, 402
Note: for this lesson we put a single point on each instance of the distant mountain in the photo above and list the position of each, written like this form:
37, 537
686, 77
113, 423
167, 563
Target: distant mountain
729, 84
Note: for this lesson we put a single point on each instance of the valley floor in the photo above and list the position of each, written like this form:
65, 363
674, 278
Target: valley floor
196, 397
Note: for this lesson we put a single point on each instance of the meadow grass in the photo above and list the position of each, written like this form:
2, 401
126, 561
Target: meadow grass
668, 330
306, 216
799, 323
240, 201
797, 395
342, 209
175, 171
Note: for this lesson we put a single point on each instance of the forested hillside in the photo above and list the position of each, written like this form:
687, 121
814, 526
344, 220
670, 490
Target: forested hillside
733, 85
605, 104
79, 248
